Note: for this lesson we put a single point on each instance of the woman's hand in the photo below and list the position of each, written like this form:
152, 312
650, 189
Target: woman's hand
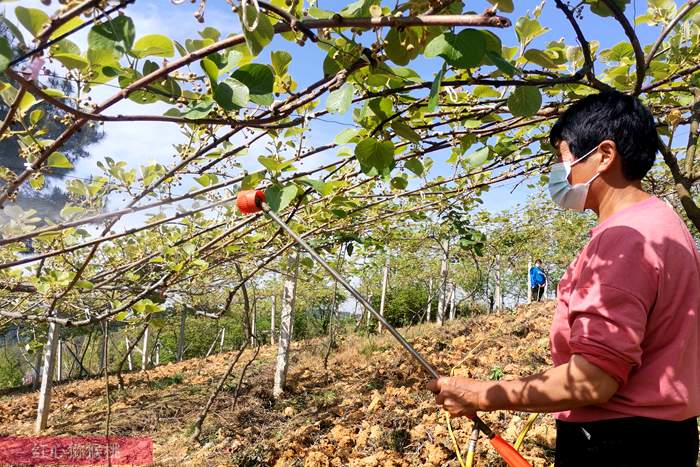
458, 395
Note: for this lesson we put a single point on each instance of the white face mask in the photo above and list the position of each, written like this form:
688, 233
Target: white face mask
562, 192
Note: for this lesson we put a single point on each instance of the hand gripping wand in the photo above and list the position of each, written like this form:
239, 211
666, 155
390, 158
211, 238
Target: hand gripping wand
252, 201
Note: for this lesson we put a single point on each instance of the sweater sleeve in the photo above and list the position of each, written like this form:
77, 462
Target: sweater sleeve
610, 302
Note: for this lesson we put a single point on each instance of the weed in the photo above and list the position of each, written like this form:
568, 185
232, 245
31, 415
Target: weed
325, 399
399, 439
166, 381
371, 347
496, 373
375, 383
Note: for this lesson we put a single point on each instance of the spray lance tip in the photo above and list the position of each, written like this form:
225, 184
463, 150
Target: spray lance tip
250, 201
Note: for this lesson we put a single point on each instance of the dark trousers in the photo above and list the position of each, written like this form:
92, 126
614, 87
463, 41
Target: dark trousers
537, 293
634, 441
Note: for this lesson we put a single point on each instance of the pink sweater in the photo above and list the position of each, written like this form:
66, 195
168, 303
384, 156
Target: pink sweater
629, 304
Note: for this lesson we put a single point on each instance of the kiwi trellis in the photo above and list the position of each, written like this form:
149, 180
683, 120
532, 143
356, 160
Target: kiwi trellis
484, 95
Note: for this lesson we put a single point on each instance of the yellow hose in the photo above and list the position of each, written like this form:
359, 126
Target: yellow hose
521, 437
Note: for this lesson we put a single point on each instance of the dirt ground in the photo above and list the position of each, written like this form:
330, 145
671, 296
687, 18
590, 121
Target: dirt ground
369, 408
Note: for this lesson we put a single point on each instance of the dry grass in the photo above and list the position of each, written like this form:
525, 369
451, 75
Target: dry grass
368, 408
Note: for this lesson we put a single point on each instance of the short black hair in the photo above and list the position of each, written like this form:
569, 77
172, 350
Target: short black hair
538, 261
615, 116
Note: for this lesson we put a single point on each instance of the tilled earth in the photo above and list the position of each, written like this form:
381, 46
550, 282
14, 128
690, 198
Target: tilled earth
368, 408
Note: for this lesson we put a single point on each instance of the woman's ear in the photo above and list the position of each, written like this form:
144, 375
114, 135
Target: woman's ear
608, 155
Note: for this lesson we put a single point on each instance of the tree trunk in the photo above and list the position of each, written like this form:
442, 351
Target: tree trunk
273, 312
221, 343
286, 324
428, 311
686, 177
382, 299
181, 336
442, 292
42, 415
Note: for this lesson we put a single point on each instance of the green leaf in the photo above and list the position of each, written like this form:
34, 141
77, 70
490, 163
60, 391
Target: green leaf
37, 182
464, 50
405, 131
58, 160
85, 285
540, 58
435, 90
528, 28
415, 166
478, 157
251, 181
375, 157
260, 79
5, 54
272, 164
525, 101
402, 45
35, 116
399, 183
601, 9
502, 64
155, 45
70, 212
72, 61
12, 29
32, 19
258, 38
324, 189
505, 6
279, 197
346, 135
231, 94
339, 100
69, 25
199, 110
207, 179
280, 60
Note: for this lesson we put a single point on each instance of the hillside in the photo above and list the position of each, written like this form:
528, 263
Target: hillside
369, 408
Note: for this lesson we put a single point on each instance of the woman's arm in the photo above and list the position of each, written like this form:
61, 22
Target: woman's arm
574, 384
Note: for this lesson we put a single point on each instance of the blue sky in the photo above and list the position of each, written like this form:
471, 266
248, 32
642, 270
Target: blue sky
141, 142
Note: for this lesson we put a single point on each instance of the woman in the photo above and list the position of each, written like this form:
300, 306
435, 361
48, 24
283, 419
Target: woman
625, 340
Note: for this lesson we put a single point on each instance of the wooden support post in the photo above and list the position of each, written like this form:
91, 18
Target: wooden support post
59, 361
382, 299
213, 344
42, 415
286, 323
144, 350
157, 353
453, 291
128, 356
